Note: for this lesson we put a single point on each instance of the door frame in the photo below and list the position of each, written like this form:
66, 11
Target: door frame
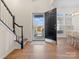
32, 25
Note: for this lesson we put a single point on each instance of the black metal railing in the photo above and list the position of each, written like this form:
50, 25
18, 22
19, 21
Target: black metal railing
14, 24
21, 37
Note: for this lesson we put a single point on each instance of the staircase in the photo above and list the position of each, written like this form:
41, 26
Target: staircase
11, 33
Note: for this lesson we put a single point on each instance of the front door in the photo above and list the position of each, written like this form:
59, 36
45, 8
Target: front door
51, 25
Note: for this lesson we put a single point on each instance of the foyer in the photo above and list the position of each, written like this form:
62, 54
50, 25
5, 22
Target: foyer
39, 29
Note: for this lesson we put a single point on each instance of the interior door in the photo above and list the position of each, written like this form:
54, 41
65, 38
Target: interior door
51, 25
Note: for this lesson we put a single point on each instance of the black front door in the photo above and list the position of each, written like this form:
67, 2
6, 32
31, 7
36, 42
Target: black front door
51, 24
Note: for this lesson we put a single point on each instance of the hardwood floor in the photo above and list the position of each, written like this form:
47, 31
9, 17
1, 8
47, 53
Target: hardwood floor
46, 51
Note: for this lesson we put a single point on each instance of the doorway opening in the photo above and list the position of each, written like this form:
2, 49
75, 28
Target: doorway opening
38, 28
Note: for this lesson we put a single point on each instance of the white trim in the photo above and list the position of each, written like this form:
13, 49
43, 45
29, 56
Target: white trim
37, 13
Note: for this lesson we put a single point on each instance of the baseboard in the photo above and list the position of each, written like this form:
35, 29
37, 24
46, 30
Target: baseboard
7, 53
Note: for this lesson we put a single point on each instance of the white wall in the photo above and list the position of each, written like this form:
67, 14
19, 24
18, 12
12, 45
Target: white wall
7, 43
23, 10
75, 22
68, 7
5, 16
0, 8
68, 20
66, 3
